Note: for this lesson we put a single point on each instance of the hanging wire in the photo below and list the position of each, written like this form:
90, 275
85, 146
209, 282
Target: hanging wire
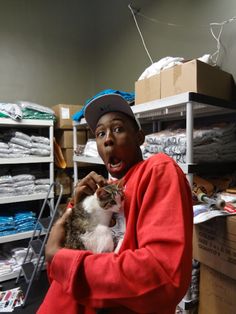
158, 21
214, 56
140, 33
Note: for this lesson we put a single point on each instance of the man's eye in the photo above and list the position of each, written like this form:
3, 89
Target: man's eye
118, 129
100, 134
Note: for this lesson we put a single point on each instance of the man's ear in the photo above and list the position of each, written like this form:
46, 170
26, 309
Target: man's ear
140, 137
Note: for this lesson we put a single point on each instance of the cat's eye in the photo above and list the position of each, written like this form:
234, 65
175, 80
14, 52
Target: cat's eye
112, 202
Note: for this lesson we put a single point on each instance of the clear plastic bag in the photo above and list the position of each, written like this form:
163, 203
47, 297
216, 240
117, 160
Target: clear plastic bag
40, 139
23, 177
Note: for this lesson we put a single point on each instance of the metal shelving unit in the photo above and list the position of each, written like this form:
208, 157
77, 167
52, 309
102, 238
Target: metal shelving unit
182, 106
27, 124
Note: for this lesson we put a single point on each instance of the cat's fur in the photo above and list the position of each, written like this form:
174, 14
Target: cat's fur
88, 225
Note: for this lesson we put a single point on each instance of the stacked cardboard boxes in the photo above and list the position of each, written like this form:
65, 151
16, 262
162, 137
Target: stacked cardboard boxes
217, 292
64, 132
64, 139
64, 113
193, 76
214, 245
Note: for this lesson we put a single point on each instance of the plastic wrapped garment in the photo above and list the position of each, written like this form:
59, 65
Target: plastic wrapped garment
217, 139
162, 64
40, 139
34, 106
42, 188
20, 145
16, 221
42, 181
32, 114
90, 149
23, 177
25, 110
168, 62
11, 110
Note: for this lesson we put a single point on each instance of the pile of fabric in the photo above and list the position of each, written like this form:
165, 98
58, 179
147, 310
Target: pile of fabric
12, 222
22, 184
216, 143
11, 259
128, 96
25, 110
16, 144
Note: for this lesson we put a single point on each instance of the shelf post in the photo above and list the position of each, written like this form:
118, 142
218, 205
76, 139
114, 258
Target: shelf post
75, 147
189, 138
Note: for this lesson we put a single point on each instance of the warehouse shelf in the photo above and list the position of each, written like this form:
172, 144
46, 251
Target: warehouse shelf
34, 126
182, 106
32, 123
24, 198
85, 159
25, 160
176, 107
16, 237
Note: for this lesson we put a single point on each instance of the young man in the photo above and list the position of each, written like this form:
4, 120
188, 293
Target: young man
152, 270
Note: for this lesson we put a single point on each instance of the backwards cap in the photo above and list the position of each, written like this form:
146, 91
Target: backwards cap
97, 107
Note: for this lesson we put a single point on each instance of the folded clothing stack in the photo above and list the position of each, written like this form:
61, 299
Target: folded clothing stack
15, 144
215, 143
12, 222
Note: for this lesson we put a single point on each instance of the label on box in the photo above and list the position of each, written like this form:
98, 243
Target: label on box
215, 246
65, 113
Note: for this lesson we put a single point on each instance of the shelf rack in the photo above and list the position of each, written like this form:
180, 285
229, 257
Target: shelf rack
28, 124
182, 106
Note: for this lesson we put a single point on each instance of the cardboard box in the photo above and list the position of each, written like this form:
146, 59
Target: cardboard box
68, 156
214, 244
64, 138
148, 89
64, 115
217, 292
199, 77
192, 76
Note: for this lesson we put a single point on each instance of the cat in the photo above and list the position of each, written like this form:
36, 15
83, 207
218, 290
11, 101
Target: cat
87, 228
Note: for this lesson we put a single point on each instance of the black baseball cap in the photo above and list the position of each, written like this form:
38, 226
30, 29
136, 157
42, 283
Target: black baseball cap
101, 105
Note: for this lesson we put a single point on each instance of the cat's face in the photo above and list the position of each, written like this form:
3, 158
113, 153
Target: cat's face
110, 197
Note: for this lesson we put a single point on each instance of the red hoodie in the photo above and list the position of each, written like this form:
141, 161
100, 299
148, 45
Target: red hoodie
152, 271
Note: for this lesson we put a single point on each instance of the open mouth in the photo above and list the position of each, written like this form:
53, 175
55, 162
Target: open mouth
115, 163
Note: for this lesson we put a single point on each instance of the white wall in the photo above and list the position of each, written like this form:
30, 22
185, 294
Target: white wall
65, 51
44, 51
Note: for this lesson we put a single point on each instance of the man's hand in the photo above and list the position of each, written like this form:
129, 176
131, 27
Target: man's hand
88, 185
57, 236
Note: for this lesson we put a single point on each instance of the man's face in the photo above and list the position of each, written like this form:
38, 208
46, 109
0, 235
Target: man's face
118, 143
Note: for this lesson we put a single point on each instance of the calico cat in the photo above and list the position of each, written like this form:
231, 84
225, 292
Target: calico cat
87, 227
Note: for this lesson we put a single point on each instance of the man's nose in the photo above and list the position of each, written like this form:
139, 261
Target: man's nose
109, 139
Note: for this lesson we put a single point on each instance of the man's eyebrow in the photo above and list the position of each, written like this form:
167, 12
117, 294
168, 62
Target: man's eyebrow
112, 120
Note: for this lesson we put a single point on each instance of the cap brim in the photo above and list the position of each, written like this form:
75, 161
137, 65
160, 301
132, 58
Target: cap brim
103, 104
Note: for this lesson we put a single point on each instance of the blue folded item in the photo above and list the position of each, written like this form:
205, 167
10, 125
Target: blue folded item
129, 97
